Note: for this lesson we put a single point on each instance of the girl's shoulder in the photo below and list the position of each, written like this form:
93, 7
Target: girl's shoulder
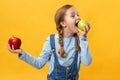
55, 37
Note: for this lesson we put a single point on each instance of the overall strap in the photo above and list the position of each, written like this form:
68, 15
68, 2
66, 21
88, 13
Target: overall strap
52, 42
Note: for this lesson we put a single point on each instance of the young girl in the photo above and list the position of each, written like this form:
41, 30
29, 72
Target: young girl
64, 51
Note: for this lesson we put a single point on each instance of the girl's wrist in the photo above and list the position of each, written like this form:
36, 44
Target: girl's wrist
85, 36
21, 52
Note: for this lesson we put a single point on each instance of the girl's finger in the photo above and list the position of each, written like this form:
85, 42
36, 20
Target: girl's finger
8, 46
85, 29
13, 47
82, 32
88, 26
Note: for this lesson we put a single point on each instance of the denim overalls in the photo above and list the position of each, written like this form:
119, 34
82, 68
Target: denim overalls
61, 72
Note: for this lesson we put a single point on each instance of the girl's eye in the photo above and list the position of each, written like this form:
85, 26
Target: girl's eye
73, 16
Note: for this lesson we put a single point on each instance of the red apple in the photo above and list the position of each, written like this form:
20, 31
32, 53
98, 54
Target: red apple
15, 42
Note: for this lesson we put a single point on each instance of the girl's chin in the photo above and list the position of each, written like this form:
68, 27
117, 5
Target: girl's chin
76, 32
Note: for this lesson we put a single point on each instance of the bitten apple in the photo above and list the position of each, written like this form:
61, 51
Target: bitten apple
15, 42
81, 24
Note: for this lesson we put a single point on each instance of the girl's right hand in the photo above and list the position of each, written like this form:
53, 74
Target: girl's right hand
85, 30
12, 50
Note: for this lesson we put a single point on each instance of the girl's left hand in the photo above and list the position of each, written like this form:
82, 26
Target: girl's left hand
85, 30
12, 50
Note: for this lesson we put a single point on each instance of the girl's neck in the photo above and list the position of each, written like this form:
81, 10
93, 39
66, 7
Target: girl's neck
67, 34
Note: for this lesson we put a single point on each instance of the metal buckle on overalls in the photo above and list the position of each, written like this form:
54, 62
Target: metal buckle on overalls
68, 67
53, 50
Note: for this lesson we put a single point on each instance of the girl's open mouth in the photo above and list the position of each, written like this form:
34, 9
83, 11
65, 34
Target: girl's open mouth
76, 24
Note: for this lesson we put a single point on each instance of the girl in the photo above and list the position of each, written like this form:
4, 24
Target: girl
64, 51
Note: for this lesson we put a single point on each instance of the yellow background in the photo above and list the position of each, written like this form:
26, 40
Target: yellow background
33, 21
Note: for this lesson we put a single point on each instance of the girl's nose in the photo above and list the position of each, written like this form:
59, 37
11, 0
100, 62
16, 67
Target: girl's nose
77, 17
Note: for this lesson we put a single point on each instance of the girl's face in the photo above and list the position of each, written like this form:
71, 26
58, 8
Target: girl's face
70, 21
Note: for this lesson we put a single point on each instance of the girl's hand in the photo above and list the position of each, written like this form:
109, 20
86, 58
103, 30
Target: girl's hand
12, 50
85, 30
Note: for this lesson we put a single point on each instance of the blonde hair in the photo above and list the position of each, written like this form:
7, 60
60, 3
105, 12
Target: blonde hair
59, 16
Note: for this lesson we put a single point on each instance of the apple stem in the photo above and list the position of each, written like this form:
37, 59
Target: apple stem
12, 35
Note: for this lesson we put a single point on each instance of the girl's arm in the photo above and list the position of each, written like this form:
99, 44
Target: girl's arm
86, 57
36, 62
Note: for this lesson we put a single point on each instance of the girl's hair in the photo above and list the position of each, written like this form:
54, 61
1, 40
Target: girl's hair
59, 16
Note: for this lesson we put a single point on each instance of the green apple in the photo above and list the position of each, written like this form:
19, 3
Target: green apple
81, 24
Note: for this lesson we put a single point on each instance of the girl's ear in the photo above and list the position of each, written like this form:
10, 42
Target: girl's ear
63, 24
